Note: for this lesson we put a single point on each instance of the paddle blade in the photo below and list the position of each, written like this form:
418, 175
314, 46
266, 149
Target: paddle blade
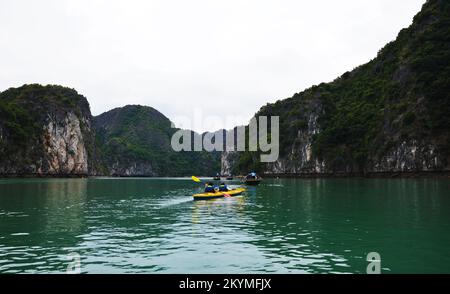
195, 179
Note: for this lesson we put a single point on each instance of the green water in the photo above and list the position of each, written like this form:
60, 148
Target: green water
282, 226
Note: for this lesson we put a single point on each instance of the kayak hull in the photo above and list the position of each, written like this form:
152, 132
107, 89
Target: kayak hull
207, 196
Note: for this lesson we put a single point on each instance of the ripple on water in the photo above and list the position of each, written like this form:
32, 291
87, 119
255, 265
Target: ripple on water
12, 214
152, 226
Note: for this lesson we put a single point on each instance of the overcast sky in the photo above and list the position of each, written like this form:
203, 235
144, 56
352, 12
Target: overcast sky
229, 56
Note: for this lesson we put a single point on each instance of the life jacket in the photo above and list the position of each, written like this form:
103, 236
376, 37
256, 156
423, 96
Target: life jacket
223, 188
209, 189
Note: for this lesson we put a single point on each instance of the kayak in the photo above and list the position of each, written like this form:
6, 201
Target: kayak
231, 193
252, 182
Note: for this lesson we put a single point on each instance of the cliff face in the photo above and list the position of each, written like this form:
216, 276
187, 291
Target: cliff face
136, 141
65, 150
300, 158
45, 131
389, 115
228, 161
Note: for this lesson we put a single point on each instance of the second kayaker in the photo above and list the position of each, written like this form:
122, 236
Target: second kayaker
223, 187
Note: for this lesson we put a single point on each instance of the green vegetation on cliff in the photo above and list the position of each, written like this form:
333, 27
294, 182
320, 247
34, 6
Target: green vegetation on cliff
21, 109
39, 135
24, 144
403, 95
135, 140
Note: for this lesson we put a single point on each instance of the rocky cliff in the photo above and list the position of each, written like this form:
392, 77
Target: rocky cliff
49, 131
46, 130
389, 115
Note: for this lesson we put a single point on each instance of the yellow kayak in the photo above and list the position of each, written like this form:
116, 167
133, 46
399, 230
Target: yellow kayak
231, 193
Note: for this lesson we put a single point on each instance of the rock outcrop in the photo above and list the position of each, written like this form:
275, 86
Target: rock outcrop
65, 150
390, 115
46, 131
49, 131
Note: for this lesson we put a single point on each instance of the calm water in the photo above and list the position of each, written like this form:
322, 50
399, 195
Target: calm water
282, 226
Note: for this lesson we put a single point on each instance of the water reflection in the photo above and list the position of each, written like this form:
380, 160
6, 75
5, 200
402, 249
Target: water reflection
51, 215
65, 202
203, 210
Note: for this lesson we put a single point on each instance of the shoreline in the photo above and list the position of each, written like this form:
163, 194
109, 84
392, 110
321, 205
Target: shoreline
372, 175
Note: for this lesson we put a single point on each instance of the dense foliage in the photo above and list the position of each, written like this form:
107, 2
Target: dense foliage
401, 95
22, 108
128, 136
135, 135
23, 113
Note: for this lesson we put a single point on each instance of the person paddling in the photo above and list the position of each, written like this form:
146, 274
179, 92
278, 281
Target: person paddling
209, 187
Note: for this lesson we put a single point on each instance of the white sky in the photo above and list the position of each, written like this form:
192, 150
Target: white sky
186, 57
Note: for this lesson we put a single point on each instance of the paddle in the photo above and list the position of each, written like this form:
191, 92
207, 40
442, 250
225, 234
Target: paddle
197, 180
